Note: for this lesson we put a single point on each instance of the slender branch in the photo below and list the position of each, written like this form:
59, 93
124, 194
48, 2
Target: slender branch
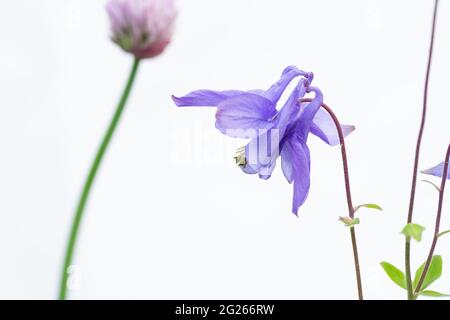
417, 156
351, 210
437, 225
90, 181
409, 284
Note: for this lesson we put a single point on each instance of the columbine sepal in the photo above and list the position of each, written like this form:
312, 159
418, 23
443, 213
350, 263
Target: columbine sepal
437, 171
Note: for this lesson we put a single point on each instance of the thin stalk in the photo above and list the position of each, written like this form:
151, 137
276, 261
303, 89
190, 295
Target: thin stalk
437, 224
90, 180
351, 208
417, 156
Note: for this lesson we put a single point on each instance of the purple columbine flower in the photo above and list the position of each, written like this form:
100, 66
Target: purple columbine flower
437, 171
142, 27
273, 133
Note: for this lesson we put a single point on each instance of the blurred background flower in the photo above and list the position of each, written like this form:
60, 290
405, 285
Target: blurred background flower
142, 27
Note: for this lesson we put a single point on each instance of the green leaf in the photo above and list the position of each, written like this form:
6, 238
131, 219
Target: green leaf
433, 184
349, 222
395, 274
443, 232
434, 272
369, 206
431, 293
413, 230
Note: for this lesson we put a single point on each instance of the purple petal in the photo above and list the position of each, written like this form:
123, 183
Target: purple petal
287, 159
303, 125
323, 127
211, 98
437, 171
245, 115
248, 169
276, 90
265, 172
301, 171
205, 98
290, 109
262, 153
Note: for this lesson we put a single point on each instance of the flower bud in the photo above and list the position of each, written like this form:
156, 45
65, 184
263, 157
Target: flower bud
142, 27
349, 222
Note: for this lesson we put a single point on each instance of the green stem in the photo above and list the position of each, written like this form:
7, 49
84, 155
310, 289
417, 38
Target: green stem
90, 180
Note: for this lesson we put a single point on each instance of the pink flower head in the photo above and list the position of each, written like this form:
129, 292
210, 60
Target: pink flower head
142, 27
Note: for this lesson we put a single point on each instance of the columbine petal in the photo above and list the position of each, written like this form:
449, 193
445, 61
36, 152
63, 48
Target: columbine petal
323, 127
301, 172
437, 171
287, 158
303, 125
276, 90
245, 115
248, 169
266, 171
205, 98
262, 152
290, 108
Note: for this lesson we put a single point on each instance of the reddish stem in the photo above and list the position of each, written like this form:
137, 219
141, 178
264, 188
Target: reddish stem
437, 225
417, 155
351, 210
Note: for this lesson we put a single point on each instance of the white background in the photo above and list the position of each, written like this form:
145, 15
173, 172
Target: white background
171, 216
